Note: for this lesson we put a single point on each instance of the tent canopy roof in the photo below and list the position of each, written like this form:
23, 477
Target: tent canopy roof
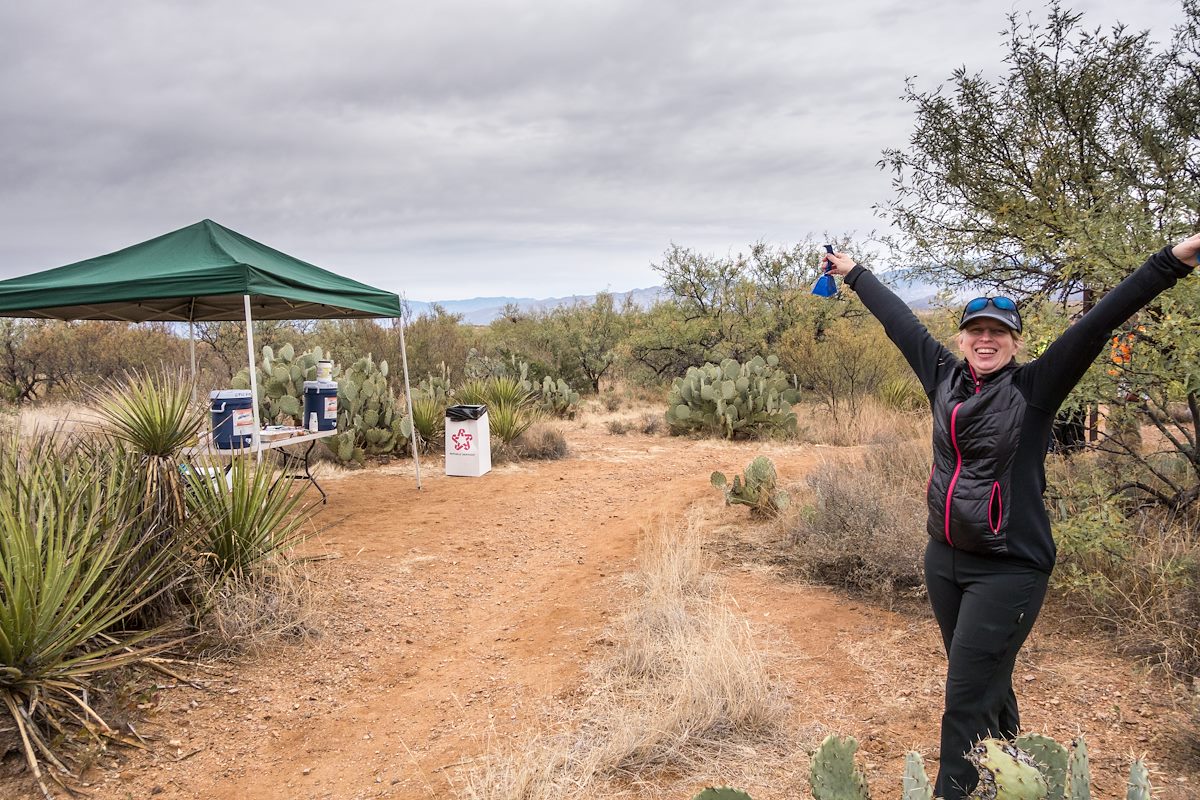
198, 273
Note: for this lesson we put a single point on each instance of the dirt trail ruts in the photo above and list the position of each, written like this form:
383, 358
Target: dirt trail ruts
457, 618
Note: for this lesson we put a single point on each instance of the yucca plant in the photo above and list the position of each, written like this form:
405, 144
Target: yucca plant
506, 422
153, 413
240, 518
505, 391
429, 414
473, 392
76, 564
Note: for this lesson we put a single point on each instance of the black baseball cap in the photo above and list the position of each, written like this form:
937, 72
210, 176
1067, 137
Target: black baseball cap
998, 308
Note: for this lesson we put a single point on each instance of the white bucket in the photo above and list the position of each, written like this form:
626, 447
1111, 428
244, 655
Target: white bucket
324, 370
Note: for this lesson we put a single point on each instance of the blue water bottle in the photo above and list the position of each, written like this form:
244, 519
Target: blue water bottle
825, 285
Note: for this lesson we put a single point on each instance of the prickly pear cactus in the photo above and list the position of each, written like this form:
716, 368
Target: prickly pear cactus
1139, 782
722, 793
557, 399
1079, 773
733, 400
367, 411
1051, 758
1005, 773
757, 487
281, 378
916, 785
832, 774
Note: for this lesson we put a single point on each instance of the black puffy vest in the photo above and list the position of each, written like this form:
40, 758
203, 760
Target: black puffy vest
976, 429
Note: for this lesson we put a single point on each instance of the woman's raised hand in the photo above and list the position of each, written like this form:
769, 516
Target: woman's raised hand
1188, 250
839, 263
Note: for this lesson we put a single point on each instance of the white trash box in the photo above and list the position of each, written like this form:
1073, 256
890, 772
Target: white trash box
468, 441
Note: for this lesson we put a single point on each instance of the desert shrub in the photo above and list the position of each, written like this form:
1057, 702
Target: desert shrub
619, 427
507, 422
611, 401
510, 402
864, 528
874, 423
1132, 569
154, 415
650, 424
845, 365
542, 442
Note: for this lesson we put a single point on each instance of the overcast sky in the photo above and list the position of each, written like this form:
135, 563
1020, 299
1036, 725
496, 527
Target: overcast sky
447, 150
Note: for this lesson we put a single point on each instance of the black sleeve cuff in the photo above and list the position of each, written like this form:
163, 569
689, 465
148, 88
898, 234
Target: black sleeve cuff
852, 275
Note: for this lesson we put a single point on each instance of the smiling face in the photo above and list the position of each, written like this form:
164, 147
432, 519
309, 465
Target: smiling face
987, 344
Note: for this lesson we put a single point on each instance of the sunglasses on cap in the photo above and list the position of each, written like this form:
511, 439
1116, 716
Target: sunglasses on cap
1005, 311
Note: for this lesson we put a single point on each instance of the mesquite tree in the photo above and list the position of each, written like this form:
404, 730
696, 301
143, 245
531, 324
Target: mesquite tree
1054, 180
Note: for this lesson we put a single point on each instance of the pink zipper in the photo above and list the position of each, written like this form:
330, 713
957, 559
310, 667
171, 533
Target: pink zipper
958, 453
957, 470
996, 499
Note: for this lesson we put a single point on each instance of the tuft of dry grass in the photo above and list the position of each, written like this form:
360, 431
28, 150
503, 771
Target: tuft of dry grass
543, 442
255, 612
685, 691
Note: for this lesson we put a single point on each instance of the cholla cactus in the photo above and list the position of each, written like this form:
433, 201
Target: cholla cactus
732, 399
757, 487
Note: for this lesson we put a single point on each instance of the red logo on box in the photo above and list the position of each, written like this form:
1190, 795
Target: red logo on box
462, 440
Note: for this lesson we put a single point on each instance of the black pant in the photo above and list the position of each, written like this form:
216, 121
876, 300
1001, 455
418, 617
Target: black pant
985, 608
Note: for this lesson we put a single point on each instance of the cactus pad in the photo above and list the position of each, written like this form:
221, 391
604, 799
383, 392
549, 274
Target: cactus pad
1006, 773
832, 773
916, 785
722, 793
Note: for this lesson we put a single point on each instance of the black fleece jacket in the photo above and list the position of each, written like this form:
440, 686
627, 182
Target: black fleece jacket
1043, 384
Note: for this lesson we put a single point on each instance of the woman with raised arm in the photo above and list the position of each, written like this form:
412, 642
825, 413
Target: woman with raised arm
990, 552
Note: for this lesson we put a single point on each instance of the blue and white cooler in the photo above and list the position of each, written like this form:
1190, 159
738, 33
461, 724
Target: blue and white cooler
320, 406
232, 418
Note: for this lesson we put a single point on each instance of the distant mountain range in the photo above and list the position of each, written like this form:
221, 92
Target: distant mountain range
482, 310
918, 294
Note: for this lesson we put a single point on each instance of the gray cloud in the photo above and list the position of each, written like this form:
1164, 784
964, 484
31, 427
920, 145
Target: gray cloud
529, 148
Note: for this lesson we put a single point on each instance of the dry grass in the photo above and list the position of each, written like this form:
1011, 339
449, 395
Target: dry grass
875, 422
63, 417
685, 692
543, 442
252, 614
863, 526
648, 423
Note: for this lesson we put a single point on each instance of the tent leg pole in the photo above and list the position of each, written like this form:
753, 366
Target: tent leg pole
192, 352
408, 400
255, 440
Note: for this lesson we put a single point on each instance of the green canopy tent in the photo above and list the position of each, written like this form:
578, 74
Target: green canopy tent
202, 273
